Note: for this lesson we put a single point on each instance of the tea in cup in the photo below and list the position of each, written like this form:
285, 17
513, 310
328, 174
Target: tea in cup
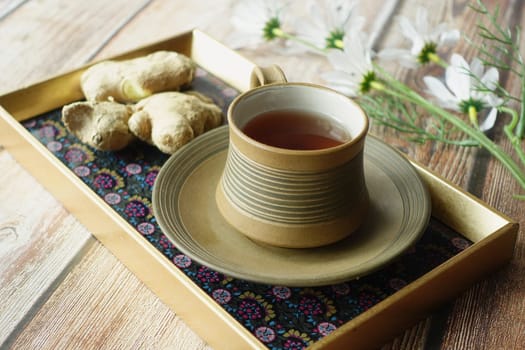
294, 174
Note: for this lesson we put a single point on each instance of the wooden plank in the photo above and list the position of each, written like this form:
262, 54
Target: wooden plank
491, 315
163, 19
8, 6
148, 321
111, 310
39, 241
43, 38
436, 157
215, 20
448, 161
482, 314
460, 165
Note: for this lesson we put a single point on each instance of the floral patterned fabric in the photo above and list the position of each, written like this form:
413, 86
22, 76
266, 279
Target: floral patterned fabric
281, 317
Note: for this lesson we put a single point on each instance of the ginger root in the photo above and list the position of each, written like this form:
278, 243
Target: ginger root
169, 120
102, 125
133, 79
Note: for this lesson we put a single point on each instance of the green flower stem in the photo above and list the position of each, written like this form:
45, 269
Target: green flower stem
509, 131
278, 32
402, 91
520, 129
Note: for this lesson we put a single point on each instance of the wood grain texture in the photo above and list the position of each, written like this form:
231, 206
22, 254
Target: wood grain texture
39, 241
8, 6
110, 310
446, 160
432, 155
53, 301
43, 38
65, 35
491, 315
477, 318
162, 19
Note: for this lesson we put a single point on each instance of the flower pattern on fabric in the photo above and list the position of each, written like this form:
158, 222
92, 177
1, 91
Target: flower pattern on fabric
107, 180
281, 317
281, 292
182, 261
50, 130
265, 334
112, 198
78, 154
222, 296
255, 307
138, 207
296, 340
325, 328
315, 303
152, 175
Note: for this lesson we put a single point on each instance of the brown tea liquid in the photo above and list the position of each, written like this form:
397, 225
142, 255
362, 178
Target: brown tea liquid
297, 130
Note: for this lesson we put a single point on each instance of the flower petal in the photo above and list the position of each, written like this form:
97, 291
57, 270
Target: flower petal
493, 100
337, 59
357, 53
421, 22
476, 67
457, 77
407, 29
489, 121
418, 43
449, 38
403, 56
490, 79
341, 82
439, 90
354, 24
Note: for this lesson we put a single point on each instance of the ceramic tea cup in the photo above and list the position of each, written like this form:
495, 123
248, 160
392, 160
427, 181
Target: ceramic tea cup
294, 173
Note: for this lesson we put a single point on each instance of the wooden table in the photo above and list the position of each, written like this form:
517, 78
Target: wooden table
60, 288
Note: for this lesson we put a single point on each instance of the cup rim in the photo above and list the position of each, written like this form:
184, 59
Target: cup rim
279, 150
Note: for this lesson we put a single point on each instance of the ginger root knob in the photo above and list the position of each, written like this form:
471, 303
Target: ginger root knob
102, 125
133, 79
169, 120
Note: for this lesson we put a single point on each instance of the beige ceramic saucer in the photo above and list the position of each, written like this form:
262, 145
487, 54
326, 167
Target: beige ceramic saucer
185, 208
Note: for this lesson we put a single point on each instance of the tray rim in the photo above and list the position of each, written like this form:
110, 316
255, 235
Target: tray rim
493, 233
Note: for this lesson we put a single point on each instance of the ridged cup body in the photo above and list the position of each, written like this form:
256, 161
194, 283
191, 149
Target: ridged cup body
294, 198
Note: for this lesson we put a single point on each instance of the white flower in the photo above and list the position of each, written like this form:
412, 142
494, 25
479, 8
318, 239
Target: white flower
467, 89
425, 40
353, 70
328, 22
255, 21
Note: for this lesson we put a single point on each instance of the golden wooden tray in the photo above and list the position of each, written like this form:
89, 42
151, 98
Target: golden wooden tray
493, 234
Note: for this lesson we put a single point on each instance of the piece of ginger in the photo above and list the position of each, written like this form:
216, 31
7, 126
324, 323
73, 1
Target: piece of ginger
133, 79
169, 120
102, 125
